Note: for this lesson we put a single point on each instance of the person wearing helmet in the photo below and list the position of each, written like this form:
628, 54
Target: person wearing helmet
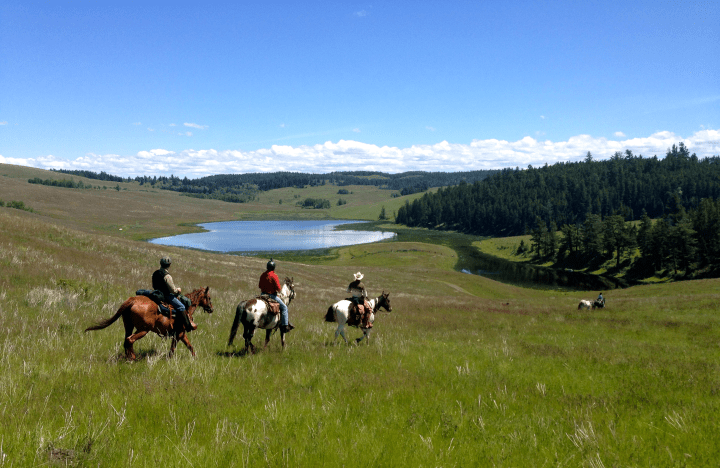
163, 282
359, 298
270, 285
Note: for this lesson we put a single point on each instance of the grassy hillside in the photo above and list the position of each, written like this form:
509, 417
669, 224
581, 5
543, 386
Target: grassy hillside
142, 212
506, 248
465, 370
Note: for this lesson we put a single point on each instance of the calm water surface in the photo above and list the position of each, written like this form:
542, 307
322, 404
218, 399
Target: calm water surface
253, 236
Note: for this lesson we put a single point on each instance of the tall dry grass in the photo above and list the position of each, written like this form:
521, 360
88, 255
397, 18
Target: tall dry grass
464, 371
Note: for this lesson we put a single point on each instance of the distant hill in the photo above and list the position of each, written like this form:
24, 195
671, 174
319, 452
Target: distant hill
244, 187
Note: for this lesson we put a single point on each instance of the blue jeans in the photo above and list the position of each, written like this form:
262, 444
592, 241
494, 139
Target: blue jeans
283, 310
177, 304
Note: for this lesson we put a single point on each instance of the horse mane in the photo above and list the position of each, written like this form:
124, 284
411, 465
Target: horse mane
193, 295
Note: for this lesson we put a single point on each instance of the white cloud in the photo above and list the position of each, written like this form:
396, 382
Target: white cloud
194, 125
171, 125
137, 123
349, 155
361, 13
619, 134
151, 129
356, 130
427, 127
185, 133
542, 117
4, 122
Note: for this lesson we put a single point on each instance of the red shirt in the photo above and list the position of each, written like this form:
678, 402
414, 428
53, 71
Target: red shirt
269, 283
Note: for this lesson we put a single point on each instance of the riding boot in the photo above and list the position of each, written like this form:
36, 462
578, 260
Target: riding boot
188, 325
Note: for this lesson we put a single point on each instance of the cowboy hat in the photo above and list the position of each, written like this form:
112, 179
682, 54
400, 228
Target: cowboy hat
358, 276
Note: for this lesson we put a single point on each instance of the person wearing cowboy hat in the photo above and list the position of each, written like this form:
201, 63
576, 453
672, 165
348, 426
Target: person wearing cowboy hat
359, 296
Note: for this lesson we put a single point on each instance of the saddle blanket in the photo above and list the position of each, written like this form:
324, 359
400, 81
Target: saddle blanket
272, 305
158, 298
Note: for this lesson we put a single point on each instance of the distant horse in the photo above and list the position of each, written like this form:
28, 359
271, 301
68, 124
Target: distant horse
143, 314
254, 314
340, 311
585, 304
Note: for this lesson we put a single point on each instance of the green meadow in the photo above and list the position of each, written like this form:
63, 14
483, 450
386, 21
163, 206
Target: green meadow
465, 371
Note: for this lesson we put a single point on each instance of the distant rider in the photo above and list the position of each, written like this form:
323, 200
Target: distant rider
601, 300
270, 285
359, 297
163, 282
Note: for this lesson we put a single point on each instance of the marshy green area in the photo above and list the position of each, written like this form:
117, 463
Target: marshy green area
465, 371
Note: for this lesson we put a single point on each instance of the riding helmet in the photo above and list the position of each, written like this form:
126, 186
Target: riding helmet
271, 265
165, 262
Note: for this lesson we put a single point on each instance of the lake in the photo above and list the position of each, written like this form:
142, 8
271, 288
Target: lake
272, 236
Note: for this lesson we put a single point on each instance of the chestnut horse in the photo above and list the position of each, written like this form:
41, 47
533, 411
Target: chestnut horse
340, 311
143, 314
254, 314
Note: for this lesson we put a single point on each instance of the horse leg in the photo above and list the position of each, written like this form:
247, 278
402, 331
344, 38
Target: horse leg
129, 352
248, 332
236, 323
184, 338
173, 343
366, 334
267, 338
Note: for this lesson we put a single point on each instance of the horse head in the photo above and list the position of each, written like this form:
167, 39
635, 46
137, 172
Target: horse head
384, 302
203, 300
290, 284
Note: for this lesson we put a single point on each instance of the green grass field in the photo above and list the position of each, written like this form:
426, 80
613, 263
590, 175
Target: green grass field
465, 371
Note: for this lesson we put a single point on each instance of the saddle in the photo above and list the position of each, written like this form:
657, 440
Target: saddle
158, 298
272, 305
359, 314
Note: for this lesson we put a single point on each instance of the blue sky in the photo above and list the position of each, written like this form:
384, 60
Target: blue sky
192, 89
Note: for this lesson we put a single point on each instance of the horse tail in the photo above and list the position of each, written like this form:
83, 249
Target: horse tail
330, 315
236, 323
107, 322
580, 306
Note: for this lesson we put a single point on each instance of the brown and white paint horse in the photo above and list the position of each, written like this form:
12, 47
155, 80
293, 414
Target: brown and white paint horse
254, 314
340, 311
142, 314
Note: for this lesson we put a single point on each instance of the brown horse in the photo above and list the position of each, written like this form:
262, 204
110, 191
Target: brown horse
143, 314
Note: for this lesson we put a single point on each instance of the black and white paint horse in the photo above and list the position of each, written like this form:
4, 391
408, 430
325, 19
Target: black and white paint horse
586, 304
340, 311
254, 313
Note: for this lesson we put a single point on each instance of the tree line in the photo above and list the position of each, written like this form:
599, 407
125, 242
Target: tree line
240, 188
581, 212
216, 185
93, 175
681, 240
66, 183
508, 202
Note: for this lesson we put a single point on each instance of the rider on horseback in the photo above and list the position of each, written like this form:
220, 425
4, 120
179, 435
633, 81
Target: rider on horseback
270, 285
163, 282
600, 300
359, 298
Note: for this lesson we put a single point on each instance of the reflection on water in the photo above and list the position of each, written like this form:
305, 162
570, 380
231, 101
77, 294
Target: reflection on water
270, 236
